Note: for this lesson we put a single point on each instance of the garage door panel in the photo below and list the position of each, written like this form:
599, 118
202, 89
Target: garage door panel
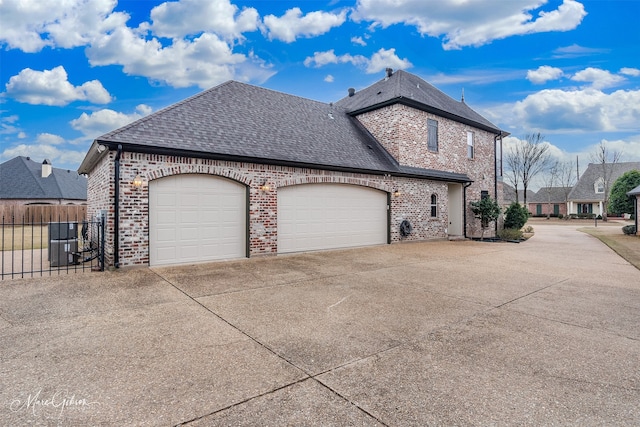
328, 216
195, 218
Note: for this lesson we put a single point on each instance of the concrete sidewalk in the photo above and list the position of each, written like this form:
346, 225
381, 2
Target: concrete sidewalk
441, 333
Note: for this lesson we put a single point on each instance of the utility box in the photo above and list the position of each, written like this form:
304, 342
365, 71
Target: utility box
63, 252
63, 230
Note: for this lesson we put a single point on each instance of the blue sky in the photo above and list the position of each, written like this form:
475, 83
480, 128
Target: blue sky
73, 70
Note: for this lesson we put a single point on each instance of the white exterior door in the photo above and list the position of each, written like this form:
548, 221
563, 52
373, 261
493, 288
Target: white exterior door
329, 216
195, 218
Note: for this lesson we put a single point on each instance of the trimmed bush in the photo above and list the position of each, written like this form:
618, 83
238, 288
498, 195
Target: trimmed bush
510, 234
515, 216
629, 230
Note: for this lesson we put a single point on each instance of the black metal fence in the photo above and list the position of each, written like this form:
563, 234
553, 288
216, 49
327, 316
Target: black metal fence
44, 247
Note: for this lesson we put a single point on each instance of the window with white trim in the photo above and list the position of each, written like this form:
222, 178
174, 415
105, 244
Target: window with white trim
599, 185
434, 205
470, 147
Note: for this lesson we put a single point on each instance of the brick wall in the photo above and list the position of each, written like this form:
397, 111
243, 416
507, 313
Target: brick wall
402, 130
412, 199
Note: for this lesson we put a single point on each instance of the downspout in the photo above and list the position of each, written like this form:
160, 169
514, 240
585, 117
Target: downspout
116, 210
464, 207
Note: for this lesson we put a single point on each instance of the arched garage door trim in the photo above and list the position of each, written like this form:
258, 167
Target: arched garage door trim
197, 218
331, 216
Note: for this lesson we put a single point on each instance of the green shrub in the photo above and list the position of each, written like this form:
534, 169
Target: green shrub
510, 234
560, 216
629, 230
515, 216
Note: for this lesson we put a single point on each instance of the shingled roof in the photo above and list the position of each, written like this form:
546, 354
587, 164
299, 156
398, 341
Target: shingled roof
406, 88
550, 194
241, 122
584, 188
21, 178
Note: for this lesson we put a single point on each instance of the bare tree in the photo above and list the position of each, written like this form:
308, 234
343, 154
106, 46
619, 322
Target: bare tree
550, 178
513, 161
607, 160
526, 159
566, 178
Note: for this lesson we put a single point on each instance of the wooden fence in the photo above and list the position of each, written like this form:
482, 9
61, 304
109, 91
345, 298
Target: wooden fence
34, 214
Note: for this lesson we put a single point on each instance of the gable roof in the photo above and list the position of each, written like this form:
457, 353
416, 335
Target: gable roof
241, 122
406, 88
584, 188
549, 194
21, 178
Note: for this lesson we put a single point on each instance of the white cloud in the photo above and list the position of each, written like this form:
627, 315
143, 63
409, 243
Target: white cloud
204, 61
543, 74
329, 78
102, 121
52, 87
575, 51
61, 158
586, 110
32, 25
470, 22
382, 59
49, 138
598, 78
293, 24
177, 19
634, 72
358, 40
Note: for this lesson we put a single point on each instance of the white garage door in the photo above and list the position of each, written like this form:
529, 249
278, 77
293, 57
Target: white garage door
330, 216
195, 218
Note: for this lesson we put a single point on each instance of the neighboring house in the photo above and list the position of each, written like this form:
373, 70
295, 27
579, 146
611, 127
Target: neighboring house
548, 201
25, 182
241, 171
636, 193
587, 196
510, 195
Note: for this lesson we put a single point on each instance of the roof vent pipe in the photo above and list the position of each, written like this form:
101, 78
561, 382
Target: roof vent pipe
389, 72
351, 91
46, 168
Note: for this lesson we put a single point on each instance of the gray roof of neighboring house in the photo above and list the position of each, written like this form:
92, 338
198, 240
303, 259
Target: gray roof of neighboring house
406, 88
584, 188
21, 178
240, 122
634, 192
550, 194
509, 194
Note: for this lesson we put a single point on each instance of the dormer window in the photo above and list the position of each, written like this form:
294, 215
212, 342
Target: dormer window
599, 185
432, 135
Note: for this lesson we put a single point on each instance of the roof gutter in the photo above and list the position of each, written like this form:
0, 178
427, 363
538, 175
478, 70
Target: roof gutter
96, 152
497, 168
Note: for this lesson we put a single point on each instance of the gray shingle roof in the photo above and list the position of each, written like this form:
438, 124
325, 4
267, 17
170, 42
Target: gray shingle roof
410, 89
584, 189
21, 178
241, 122
634, 192
549, 194
509, 194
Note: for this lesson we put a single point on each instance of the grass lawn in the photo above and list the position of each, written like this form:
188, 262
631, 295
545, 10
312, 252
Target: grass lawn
628, 247
23, 237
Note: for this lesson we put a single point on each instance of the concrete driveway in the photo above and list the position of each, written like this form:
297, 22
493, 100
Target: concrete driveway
440, 333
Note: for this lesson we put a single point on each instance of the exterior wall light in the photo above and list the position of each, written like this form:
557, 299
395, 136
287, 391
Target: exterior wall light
137, 181
396, 193
265, 187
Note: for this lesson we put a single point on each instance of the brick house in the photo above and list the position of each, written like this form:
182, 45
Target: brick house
549, 201
242, 171
635, 193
